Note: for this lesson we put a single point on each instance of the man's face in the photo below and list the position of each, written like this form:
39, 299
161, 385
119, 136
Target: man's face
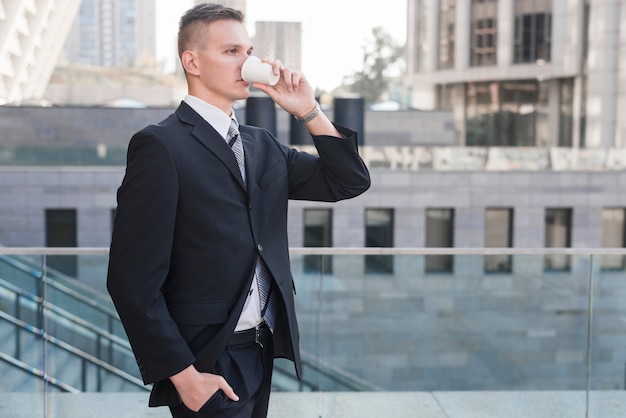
219, 64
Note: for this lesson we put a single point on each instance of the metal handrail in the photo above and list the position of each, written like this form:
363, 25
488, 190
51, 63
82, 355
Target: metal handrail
74, 351
352, 251
36, 372
67, 315
65, 289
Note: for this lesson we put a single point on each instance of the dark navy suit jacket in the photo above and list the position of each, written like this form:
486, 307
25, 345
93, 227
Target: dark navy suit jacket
187, 233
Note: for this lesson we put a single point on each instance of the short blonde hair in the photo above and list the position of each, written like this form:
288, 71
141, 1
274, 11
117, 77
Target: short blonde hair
194, 21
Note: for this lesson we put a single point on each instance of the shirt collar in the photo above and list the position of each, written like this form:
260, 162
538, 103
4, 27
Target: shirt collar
219, 120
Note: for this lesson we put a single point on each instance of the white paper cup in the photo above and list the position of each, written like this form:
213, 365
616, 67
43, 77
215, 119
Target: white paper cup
255, 71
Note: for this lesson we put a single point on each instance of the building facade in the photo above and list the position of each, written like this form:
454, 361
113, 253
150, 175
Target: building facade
280, 40
538, 73
113, 33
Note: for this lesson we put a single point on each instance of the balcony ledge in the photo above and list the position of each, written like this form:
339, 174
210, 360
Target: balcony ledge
510, 404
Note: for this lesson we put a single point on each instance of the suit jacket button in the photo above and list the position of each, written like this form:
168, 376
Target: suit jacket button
259, 247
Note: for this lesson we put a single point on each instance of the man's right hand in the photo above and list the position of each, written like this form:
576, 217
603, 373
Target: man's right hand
196, 388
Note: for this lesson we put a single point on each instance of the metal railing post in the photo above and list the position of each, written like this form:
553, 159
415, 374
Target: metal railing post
18, 345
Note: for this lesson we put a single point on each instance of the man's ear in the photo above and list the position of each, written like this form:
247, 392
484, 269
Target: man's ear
189, 62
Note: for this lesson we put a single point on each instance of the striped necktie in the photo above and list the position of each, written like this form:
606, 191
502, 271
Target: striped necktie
264, 277
234, 140
266, 292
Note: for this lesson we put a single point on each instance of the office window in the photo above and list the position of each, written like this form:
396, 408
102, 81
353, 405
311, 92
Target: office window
439, 234
498, 234
558, 232
533, 31
379, 233
507, 113
612, 237
61, 232
483, 27
446, 33
318, 233
566, 119
446, 96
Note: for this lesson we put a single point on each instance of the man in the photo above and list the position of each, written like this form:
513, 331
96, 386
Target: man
199, 263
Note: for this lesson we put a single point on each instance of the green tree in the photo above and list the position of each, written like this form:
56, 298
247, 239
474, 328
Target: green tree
381, 57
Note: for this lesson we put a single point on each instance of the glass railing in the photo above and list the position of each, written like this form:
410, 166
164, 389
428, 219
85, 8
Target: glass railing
370, 319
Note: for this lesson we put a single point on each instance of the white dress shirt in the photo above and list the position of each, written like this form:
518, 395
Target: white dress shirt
220, 121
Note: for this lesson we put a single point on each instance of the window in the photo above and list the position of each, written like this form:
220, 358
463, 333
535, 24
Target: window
558, 231
439, 234
61, 232
566, 120
612, 237
483, 40
507, 113
533, 31
498, 234
446, 96
379, 233
446, 33
318, 233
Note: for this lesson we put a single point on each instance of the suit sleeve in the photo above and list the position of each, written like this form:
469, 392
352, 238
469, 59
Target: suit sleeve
139, 258
338, 172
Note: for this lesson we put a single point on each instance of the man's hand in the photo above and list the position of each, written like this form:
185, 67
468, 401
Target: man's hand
196, 388
294, 94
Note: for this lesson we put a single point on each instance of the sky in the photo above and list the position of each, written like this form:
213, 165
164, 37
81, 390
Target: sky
333, 31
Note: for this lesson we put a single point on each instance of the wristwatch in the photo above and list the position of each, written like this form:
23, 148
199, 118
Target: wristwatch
309, 117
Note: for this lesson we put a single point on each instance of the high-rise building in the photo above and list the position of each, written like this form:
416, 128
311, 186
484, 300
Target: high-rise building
31, 38
113, 33
280, 40
539, 73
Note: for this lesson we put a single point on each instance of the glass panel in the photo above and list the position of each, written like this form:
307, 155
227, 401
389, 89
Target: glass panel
510, 113
317, 233
498, 234
533, 31
608, 335
21, 321
86, 348
439, 234
61, 232
558, 230
529, 331
379, 233
483, 43
469, 331
612, 237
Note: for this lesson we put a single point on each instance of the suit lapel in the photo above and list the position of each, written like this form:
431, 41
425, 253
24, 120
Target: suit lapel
250, 155
210, 138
